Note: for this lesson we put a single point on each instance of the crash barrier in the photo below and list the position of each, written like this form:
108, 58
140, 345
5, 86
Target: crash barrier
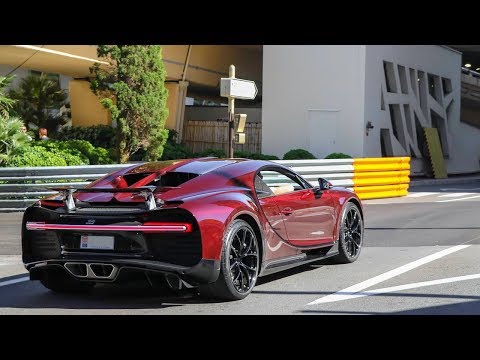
375, 178
21, 187
338, 171
369, 178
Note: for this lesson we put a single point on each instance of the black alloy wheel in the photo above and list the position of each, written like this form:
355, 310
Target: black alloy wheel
239, 265
351, 234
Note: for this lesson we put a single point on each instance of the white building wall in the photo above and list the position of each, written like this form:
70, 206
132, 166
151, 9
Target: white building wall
20, 73
313, 98
408, 68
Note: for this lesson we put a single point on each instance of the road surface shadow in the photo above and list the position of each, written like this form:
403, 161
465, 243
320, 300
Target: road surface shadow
32, 295
293, 271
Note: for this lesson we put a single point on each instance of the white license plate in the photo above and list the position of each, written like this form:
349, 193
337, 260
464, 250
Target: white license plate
97, 242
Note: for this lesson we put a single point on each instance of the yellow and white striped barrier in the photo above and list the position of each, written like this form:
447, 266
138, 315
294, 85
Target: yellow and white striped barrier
375, 178
370, 178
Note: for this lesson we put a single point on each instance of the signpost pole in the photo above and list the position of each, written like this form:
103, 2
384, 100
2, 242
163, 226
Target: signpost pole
231, 116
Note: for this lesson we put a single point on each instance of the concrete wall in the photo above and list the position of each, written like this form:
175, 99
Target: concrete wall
85, 106
406, 71
313, 98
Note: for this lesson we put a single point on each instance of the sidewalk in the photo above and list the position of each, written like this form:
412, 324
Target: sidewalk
452, 179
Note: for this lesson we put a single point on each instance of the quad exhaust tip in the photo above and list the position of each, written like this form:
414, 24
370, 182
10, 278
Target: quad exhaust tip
96, 271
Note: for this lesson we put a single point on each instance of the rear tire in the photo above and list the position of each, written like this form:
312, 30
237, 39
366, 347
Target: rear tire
239, 264
350, 238
59, 281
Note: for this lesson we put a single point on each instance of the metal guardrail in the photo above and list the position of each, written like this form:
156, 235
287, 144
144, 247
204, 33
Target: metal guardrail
473, 73
21, 187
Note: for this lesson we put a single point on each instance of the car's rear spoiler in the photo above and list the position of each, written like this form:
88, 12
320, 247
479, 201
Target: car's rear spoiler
145, 191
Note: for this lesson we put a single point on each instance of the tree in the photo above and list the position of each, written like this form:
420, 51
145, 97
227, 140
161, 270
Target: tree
133, 89
12, 139
5, 102
41, 101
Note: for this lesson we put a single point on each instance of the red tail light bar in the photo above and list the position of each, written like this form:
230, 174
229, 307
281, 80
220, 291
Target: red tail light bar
148, 227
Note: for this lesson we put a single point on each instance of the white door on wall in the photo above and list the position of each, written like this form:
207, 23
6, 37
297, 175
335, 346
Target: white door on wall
322, 131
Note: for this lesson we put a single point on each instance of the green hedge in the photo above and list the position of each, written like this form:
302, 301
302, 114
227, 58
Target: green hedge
172, 151
298, 154
211, 152
82, 148
254, 156
99, 135
338, 156
36, 156
60, 153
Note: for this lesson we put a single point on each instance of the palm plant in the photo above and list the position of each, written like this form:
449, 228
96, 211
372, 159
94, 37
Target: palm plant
5, 102
39, 100
12, 139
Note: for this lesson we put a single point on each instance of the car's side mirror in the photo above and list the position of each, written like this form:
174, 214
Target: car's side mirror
324, 184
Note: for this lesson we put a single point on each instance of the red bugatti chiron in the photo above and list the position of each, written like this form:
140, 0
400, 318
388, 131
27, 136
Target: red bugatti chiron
215, 224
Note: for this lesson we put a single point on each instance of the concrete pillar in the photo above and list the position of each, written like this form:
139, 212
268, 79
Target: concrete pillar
85, 106
177, 92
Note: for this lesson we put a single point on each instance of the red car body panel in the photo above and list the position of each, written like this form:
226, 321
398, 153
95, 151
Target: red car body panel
221, 190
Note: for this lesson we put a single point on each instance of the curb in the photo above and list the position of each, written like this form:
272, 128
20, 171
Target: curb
414, 183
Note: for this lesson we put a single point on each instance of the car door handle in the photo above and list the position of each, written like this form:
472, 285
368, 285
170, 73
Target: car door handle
287, 211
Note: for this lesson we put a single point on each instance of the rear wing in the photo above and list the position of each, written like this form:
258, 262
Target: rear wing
145, 191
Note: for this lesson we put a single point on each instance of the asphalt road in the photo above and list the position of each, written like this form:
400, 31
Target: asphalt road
420, 257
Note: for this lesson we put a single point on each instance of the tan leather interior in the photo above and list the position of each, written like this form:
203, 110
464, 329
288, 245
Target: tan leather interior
283, 189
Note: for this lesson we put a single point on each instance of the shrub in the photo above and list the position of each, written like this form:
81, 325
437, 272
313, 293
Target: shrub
298, 154
254, 156
12, 139
95, 155
99, 135
138, 155
100, 156
241, 154
211, 152
262, 157
338, 156
175, 151
71, 156
79, 148
36, 156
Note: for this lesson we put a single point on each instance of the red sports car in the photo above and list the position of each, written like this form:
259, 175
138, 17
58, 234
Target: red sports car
215, 224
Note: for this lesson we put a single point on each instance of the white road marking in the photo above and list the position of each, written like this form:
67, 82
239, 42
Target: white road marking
466, 198
14, 281
420, 284
468, 189
456, 195
354, 291
420, 194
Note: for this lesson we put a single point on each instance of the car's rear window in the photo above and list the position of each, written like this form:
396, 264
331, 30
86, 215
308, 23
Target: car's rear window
168, 179
174, 178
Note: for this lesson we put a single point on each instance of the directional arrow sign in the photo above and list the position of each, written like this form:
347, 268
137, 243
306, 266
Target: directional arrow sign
238, 88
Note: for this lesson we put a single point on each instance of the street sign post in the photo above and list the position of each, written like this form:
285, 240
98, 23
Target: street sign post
232, 89
238, 88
